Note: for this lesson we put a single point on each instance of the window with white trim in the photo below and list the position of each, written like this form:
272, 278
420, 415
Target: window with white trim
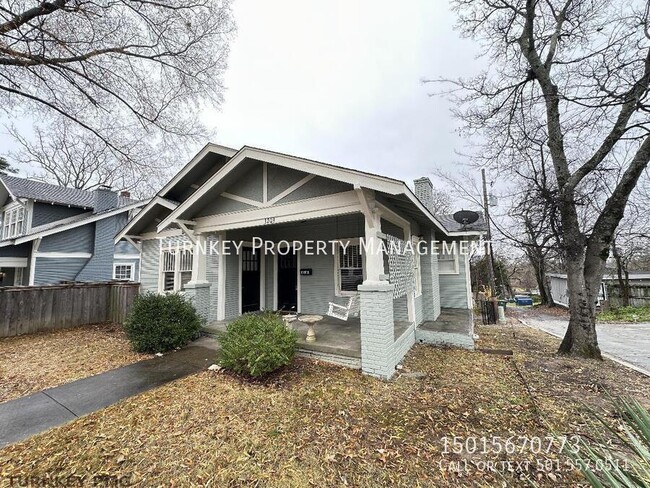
13, 222
349, 269
123, 272
176, 269
448, 258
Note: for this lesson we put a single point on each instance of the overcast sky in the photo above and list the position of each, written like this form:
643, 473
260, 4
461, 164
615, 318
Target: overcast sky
340, 82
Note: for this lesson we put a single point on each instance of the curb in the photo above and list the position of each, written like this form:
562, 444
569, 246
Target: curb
616, 359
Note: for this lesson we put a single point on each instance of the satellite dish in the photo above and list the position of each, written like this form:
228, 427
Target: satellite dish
466, 217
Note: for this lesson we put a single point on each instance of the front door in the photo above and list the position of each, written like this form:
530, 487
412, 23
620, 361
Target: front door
288, 282
250, 280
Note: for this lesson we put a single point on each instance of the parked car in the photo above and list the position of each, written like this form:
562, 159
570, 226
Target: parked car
523, 300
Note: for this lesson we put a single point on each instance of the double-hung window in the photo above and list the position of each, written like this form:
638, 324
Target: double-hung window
13, 221
448, 258
349, 269
176, 268
123, 272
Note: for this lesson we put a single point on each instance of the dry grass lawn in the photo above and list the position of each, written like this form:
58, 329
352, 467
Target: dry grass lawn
315, 424
33, 362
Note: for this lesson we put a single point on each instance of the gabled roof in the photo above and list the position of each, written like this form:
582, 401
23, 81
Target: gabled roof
45, 192
77, 221
383, 184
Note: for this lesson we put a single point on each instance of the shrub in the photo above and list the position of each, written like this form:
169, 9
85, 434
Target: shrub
159, 323
626, 465
257, 344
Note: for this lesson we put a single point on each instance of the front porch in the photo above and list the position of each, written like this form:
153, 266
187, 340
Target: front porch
339, 341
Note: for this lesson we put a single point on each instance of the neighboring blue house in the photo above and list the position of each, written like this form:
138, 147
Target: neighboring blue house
52, 234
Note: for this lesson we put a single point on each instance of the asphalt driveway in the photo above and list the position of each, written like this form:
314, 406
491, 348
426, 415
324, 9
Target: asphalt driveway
629, 343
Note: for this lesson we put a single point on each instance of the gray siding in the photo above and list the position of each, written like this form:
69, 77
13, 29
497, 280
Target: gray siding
50, 271
280, 178
269, 285
232, 286
150, 265
220, 205
419, 311
453, 287
45, 213
391, 229
316, 187
212, 276
317, 290
79, 239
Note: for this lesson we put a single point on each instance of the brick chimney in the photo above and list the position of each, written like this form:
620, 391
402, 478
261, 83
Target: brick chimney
105, 199
125, 194
424, 191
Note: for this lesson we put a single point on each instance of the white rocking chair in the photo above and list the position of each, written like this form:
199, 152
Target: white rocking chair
342, 312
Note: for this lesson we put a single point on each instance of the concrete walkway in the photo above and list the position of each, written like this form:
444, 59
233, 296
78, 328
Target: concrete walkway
628, 344
29, 415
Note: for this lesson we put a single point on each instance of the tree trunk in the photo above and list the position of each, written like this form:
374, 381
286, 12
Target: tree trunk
623, 290
583, 287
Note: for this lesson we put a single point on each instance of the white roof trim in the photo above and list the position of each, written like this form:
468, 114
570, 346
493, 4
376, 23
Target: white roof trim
77, 223
379, 183
157, 200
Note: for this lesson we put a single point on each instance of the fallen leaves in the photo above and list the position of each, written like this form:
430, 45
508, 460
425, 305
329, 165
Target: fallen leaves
31, 363
315, 424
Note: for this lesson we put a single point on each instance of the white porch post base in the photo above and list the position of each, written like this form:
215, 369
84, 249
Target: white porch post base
377, 329
199, 294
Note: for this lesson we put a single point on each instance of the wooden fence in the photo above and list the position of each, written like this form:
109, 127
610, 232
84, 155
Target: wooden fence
639, 295
28, 309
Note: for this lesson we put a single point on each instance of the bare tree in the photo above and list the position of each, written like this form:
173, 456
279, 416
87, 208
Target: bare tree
130, 73
576, 74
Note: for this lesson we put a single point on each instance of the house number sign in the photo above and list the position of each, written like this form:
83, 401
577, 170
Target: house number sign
305, 271
269, 220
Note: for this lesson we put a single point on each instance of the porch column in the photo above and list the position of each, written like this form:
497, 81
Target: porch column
198, 289
377, 328
376, 300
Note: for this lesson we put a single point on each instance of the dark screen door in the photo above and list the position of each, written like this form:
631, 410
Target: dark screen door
250, 280
288, 282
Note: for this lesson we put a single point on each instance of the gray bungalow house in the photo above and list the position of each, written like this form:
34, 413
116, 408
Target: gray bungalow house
52, 234
244, 230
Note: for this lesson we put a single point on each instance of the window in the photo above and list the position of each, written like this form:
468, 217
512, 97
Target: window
13, 221
176, 269
123, 272
18, 276
350, 268
447, 258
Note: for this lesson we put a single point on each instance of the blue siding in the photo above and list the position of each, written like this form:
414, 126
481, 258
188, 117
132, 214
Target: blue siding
100, 266
50, 271
79, 239
232, 286
44, 213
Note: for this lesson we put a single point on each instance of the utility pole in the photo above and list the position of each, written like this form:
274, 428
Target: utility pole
488, 243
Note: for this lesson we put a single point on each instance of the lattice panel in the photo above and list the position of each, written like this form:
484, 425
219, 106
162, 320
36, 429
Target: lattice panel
401, 266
